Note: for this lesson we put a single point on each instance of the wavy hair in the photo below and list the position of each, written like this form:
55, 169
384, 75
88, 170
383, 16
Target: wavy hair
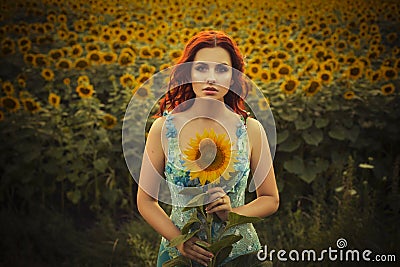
180, 87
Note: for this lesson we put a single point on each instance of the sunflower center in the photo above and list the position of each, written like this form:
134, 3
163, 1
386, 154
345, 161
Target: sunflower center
206, 154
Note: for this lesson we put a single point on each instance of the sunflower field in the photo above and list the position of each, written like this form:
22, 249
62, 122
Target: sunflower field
68, 69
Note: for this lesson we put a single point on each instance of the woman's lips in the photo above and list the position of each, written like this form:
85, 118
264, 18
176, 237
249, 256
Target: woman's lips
210, 90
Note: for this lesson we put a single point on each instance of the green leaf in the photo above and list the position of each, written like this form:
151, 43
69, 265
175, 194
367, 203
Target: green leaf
74, 196
225, 241
235, 219
223, 254
295, 165
192, 220
321, 122
352, 134
282, 136
195, 201
303, 123
288, 115
290, 145
178, 261
337, 132
182, 238
100, 164
313, 136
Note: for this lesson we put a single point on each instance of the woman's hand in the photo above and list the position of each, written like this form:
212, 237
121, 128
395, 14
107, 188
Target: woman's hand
220, 203
192, 251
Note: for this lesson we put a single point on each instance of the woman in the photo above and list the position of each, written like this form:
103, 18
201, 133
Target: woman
207, 103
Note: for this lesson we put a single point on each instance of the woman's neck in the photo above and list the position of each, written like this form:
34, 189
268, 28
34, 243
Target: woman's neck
208, 107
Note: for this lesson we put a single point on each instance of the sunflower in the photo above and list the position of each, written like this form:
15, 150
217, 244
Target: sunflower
85, 91
141, 91
275, 63
83, 80
109, 121
8, 88
175, 54
145, 52
355, 71
143, 78
81, 63
67, 81
64, 64
76, 50
47, 74
127, 80
263, 104
54, 100
218, 160
325, 76
94, 56
126, 59
349, 95
10, 103
388, 89
109, 57
30, 105
312, 87
265, 75
157, 52
254, 70
389, 73
290, 85
40, 60
284, 70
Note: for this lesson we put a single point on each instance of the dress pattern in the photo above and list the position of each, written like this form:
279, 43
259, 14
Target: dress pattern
177, 176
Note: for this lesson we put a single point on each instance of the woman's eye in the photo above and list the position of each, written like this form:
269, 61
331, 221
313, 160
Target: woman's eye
200, 68
221, 69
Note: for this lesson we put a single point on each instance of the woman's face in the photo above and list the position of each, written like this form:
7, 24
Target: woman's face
212, 73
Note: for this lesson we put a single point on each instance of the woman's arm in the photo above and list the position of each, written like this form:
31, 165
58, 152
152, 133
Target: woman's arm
150, 174
267, 201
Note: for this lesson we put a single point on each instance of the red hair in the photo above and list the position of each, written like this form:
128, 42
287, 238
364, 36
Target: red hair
180, 79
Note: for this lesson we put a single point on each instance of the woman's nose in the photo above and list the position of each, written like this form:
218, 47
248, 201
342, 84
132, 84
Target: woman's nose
210, 80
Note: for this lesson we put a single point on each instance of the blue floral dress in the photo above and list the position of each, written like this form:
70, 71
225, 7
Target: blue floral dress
176, 174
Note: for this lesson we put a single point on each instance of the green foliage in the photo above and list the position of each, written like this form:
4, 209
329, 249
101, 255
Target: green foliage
220, 246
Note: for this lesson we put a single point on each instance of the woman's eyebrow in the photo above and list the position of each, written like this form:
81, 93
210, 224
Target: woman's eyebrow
206, 63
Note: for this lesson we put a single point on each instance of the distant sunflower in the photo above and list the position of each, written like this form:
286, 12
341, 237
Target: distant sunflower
349, 95
56, 54
141, 91
146, 68
67, 81
290, 85
109, 121
54, 100
47, 74
175, 54
284, 70
325, 76
312, 87
157, 52
164, 66
263, 104
354, 71
76, 50
64, 64
389, 73
145, 52
10, 103
8, 87
254, 70
265, 76
388, 89
83, 80
85, 91
127, 80
126, 59
109, 57
209, 157
94, 56
275, 63
81, 63
31, 105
